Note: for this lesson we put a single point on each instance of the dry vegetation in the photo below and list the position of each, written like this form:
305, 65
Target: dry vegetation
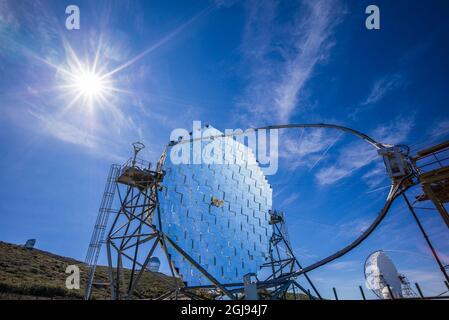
36, 274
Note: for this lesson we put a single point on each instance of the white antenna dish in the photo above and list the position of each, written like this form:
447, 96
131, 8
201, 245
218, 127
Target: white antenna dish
382, 277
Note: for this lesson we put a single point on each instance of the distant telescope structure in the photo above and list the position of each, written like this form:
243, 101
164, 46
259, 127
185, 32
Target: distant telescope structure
154, 264
30, 244
383, 278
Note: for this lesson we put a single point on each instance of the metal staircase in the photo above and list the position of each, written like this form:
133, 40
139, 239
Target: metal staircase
97, 239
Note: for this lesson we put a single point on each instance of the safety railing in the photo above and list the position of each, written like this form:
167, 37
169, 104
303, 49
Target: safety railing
434, 158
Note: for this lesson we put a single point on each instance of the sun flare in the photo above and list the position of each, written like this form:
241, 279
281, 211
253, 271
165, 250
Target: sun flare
86, 87
89, 84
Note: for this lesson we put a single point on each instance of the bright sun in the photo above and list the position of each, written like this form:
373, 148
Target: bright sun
89, 84
87, 87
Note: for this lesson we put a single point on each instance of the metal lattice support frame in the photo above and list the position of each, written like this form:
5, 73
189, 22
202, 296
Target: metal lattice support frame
282, 261
432, 174
137, 230
97, 239
131, 230
432, 166
137, 224
133, 236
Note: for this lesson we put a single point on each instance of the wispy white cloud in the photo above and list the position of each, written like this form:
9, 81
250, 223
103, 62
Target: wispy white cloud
308, 147
351, 158
354, 227
290, 199
436, 133
345, 265
33, 17
163, 40
382, 87
421, 276
282, 58
7, 18
375, 177
70, 133
395, 131
359, 154
440, 129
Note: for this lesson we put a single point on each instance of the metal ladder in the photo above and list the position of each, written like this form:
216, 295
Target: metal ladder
93, 252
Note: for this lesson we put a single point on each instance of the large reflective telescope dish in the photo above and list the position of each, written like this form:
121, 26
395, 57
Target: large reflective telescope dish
216, 211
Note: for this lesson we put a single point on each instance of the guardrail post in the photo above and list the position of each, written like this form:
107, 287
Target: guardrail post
335, 293
419, 290
363, 293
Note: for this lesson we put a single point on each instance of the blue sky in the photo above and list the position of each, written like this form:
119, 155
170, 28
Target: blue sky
233, 64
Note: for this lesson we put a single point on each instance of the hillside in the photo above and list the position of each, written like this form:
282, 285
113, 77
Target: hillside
37, 274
